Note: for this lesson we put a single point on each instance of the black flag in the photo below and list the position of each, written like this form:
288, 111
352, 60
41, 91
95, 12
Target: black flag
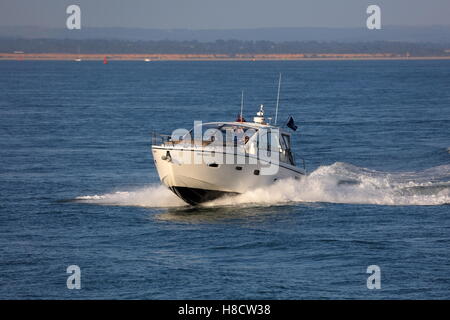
291, 124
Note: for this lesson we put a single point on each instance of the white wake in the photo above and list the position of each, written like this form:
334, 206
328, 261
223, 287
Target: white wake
155, 196
344, 183
336, 183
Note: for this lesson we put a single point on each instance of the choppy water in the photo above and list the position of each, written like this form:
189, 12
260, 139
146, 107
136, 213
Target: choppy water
78, 184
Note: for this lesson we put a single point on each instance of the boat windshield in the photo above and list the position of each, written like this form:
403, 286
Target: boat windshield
225, 132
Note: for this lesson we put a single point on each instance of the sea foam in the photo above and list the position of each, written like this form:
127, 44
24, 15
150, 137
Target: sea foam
336, 183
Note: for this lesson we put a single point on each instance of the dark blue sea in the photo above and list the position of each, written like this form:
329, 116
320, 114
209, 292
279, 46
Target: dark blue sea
78, 185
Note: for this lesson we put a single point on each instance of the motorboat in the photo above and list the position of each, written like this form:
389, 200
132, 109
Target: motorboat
216, 159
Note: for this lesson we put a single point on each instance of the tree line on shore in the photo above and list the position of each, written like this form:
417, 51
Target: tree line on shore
229, 47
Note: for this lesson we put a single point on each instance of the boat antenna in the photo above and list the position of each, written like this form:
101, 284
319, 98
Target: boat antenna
278, 99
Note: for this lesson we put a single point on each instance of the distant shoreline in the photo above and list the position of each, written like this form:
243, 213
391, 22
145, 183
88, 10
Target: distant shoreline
210, 57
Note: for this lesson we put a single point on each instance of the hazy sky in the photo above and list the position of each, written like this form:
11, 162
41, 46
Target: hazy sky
225, 14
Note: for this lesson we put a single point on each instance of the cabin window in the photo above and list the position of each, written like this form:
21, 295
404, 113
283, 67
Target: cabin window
286, 153
269, 141
286, 141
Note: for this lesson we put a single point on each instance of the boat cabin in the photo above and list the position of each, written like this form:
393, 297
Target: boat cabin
245, 137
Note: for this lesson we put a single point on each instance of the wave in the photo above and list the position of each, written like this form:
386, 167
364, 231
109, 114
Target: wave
336, 183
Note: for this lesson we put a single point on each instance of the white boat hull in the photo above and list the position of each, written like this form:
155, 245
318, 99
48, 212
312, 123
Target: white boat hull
201, 182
